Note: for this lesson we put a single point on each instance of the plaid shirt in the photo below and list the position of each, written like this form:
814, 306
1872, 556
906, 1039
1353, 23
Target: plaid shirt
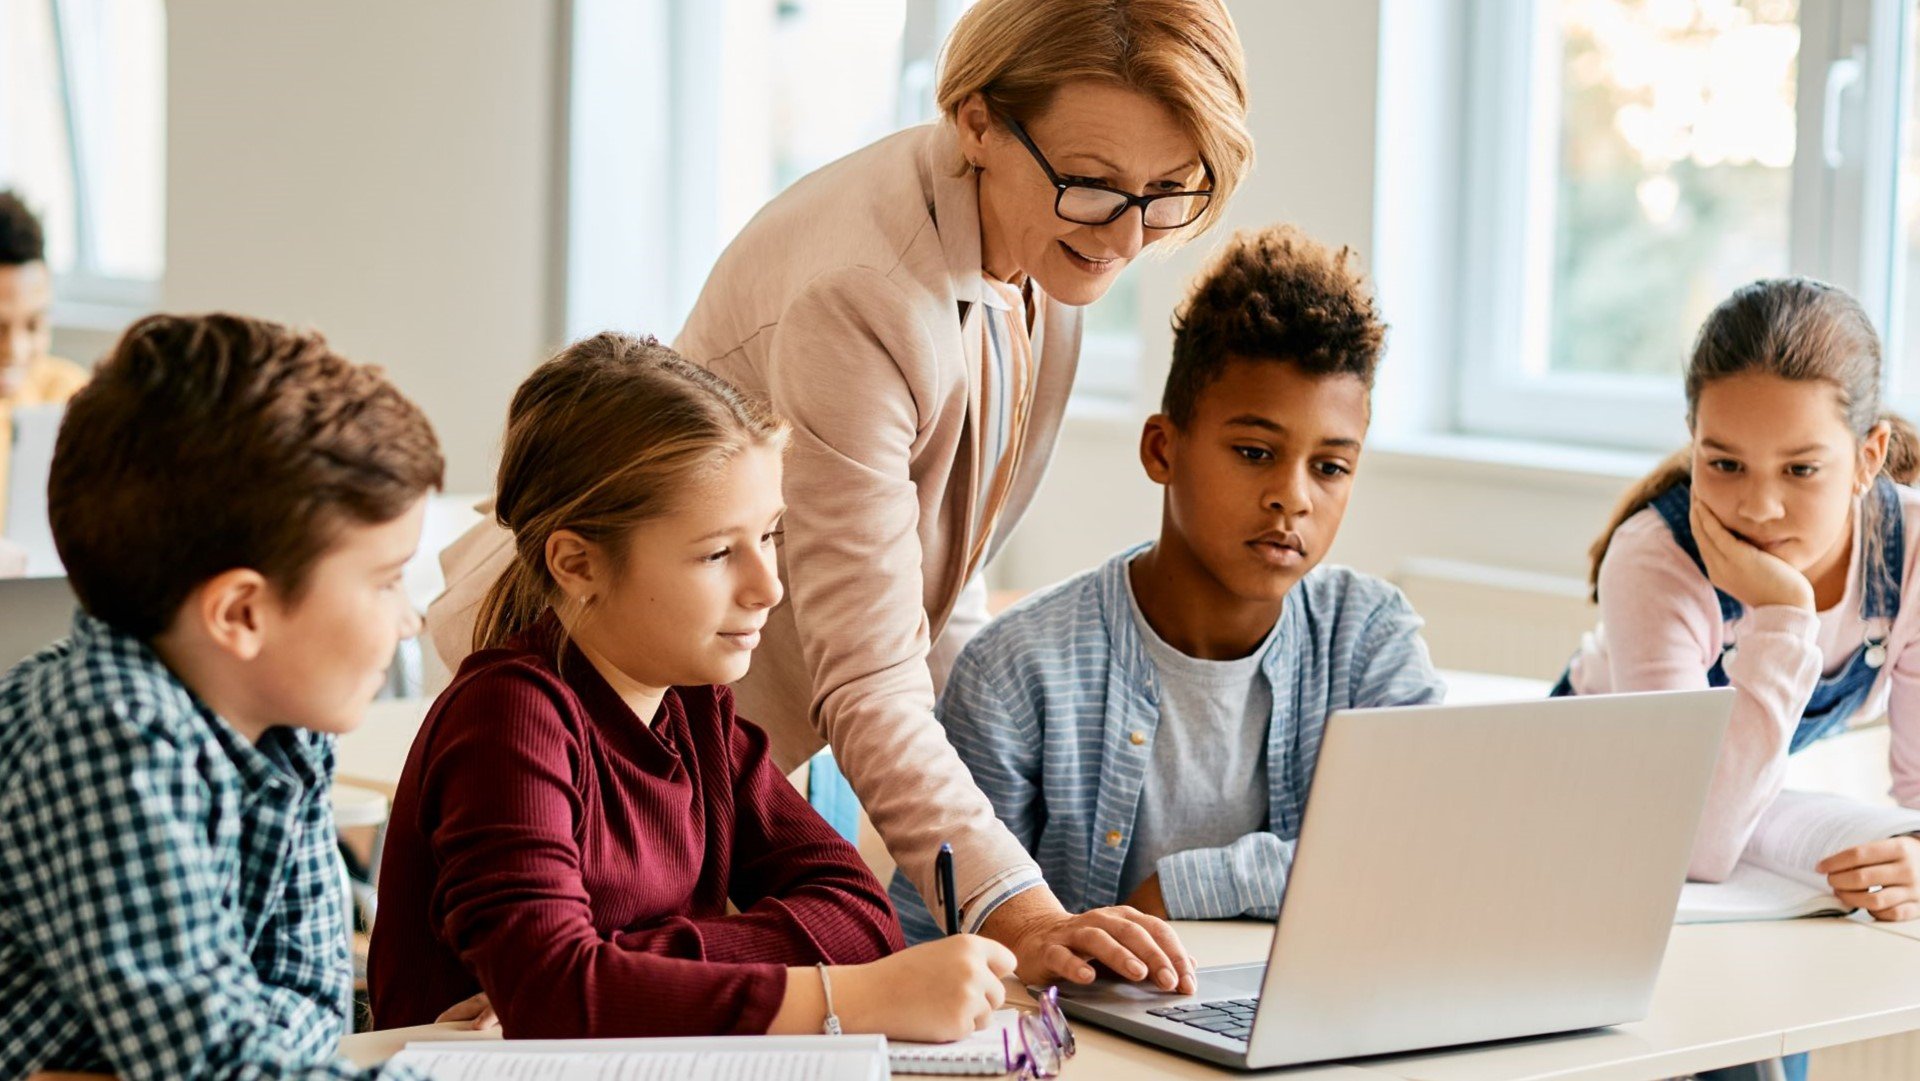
170, 901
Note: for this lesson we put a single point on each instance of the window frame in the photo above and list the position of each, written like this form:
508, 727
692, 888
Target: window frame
1838, 217
87, 296
643, 271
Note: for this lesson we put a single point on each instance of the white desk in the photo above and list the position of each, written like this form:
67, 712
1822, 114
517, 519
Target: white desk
1728, 993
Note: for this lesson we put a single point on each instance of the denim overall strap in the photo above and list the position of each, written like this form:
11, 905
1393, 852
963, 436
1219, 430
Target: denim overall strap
1674, 506
1838, 697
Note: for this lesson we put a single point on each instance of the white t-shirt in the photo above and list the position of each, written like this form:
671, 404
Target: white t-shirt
1206, 783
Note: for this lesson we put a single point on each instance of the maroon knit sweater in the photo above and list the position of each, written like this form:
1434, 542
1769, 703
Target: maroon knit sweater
548, 847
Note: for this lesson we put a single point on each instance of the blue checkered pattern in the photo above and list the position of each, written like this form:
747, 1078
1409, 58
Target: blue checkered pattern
1045, 703
170, 903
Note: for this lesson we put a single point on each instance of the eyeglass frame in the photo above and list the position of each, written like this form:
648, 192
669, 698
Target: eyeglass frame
1060, 186
1049, 1026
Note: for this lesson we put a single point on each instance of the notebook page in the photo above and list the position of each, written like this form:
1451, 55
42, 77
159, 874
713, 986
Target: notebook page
988, 1051
1800, 829
739, 1058
1753, 893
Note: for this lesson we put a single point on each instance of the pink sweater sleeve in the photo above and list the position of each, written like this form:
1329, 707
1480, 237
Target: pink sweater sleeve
1662, 625
1903, 717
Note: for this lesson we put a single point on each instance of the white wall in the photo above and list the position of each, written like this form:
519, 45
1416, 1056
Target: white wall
1317, 97
387, 173
384, 172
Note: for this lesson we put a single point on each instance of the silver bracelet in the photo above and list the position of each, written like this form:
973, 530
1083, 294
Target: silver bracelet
832, 1025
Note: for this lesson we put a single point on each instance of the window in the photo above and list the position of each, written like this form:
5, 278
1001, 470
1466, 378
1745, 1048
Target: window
688, 116
82, 136
1631, 162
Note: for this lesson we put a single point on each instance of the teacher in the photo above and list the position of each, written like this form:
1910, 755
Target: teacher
914, 311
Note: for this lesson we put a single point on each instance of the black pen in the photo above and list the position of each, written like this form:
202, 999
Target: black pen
943, 887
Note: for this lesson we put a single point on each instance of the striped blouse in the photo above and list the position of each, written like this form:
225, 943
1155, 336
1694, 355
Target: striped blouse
1009, 369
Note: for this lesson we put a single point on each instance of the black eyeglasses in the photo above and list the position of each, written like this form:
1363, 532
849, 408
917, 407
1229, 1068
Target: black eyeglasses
1084, 203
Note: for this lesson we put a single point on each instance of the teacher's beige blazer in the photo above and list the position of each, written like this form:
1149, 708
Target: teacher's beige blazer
851, 302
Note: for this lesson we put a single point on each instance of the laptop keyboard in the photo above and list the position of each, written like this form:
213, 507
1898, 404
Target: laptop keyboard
1232, 1018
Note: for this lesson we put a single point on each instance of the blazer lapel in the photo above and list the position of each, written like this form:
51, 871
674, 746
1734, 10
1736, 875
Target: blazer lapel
953, 196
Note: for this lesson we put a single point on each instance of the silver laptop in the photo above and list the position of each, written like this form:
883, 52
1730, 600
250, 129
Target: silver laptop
1464, 873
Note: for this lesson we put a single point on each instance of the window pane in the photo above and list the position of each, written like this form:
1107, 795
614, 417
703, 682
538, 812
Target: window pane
1907, 274
115, 57
119, 49
1673, 171
33, 134
807, 81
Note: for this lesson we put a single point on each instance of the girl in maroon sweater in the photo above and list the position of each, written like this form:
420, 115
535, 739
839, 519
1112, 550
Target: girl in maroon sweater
582, 804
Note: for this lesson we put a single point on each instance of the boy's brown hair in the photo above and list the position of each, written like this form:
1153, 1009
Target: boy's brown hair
207, 443
1273, 294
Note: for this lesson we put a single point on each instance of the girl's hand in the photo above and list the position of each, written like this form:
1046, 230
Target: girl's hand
1893, 865
477, 1010
1753, 576
936, 992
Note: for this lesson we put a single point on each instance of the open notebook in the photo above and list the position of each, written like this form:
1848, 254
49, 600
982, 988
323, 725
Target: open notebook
1775, 879
733, 1058
988, 1051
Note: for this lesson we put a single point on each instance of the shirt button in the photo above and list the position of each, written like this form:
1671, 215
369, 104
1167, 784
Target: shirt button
1136, 738
1113, 838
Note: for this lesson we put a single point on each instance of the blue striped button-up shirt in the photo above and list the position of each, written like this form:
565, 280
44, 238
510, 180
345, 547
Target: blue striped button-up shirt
1054, 706
170, 899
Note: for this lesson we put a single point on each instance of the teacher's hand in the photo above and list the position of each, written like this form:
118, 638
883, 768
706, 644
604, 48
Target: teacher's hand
1052, 943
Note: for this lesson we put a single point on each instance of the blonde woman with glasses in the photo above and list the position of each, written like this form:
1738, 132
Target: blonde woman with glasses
914, 311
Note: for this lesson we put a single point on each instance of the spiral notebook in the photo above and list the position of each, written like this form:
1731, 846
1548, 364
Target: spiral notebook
988, 1051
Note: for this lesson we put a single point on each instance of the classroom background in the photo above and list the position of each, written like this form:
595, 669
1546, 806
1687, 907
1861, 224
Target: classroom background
1549, 194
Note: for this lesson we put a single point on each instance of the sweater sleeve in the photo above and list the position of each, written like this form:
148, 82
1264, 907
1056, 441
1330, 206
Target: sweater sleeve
1903, 725
854, 572
1663, 628
803, 892
500, 798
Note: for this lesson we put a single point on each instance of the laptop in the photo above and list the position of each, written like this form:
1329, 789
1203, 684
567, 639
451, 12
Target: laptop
1463, 873
35, 427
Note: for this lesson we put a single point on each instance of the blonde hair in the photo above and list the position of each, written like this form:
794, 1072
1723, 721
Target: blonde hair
601, 438
1183, 53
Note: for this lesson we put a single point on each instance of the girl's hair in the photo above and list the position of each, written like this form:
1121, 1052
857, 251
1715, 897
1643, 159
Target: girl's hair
1183, 53
601, 438
1797, 329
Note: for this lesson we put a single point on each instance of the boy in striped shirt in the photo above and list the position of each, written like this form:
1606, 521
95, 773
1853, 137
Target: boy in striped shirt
1149, 728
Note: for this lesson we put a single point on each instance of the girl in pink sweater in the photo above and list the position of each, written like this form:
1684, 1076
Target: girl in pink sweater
1770, 555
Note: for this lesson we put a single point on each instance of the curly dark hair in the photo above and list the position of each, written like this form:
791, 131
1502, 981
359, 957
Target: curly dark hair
1273, 294
210, 442
21, 239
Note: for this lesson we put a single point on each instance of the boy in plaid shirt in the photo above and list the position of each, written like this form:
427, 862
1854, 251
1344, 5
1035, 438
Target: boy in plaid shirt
233, 502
